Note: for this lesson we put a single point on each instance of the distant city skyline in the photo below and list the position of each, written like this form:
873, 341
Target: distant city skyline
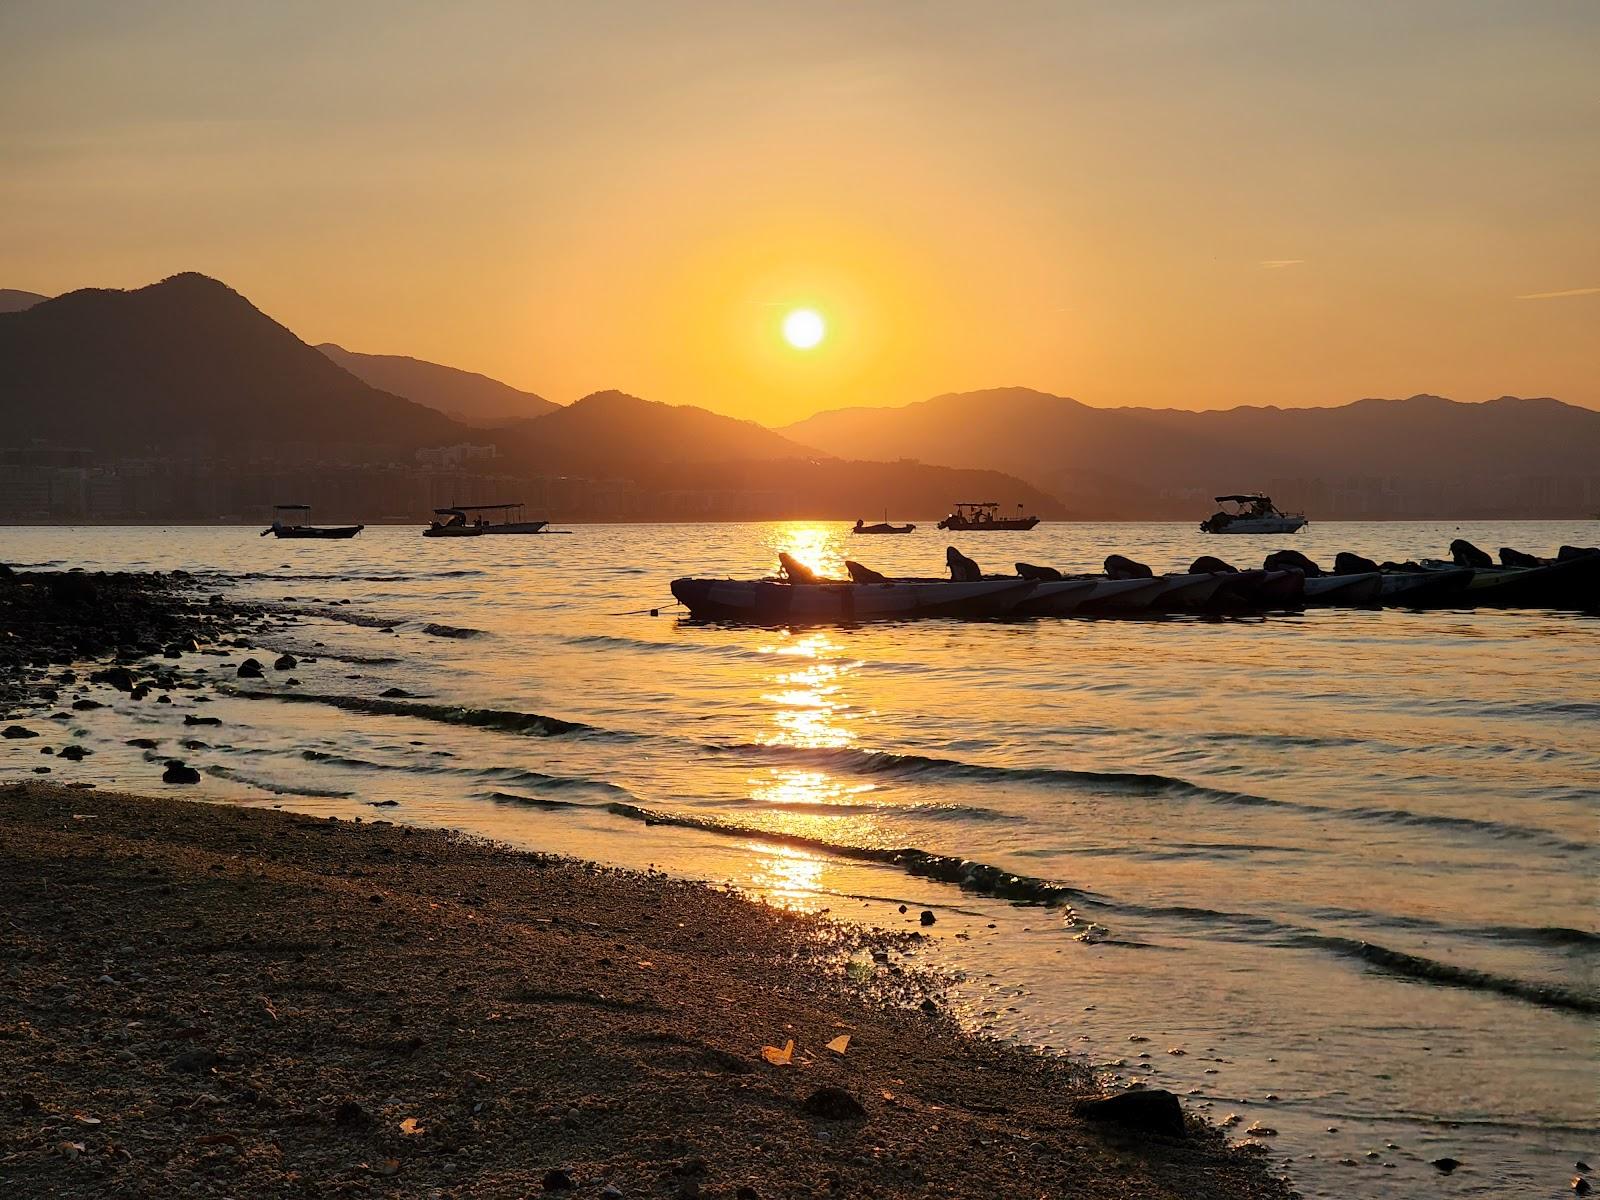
1172, 205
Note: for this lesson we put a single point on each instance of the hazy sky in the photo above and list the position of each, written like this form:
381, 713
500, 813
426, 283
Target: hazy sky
1177, 204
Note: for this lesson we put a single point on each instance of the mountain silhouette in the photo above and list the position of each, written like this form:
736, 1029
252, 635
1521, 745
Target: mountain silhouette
465, 395
189, 364
12, 300
611, 431
1424, 456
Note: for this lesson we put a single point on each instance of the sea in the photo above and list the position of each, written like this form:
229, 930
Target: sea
1330, 876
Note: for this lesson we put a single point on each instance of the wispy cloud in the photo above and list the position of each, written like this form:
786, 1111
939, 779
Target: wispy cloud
1594, 291
1277, 264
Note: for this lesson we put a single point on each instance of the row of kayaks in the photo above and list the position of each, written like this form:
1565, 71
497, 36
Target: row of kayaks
1128, 589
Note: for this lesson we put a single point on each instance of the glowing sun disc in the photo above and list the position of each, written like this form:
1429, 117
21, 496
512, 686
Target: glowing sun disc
803, 329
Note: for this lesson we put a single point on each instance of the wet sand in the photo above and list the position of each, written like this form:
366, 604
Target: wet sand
216, 1000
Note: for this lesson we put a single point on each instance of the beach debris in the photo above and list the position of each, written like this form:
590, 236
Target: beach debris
833, 1104
777, 1057
1445, 1165
411, 1127
557, 1180
178, 772
840, 1044
1147, 1110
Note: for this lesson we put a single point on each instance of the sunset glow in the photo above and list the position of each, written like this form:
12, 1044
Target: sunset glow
803, 329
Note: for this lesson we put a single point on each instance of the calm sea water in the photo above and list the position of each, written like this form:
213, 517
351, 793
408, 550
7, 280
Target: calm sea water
1343, 861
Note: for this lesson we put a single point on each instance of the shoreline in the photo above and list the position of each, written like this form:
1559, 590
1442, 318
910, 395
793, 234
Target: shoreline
215, 999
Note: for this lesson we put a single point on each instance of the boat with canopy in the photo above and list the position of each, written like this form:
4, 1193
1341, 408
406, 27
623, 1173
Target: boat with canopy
983, 516
1252, 513
476, 520
286, 524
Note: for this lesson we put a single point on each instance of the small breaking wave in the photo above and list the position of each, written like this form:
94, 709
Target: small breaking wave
501, 720
963, 872
267, 785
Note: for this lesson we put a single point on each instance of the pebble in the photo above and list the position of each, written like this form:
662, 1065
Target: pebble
557, 1180
178, 772
833, 1104
18, 731
285, 662
1445, 1165
73, 753
927, 917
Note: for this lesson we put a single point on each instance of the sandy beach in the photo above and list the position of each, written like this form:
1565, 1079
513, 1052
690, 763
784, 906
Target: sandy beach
212, 1000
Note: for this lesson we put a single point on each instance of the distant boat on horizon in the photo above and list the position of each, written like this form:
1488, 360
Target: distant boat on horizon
292, 529
1252, 513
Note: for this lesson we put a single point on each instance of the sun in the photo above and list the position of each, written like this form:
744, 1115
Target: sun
803, 328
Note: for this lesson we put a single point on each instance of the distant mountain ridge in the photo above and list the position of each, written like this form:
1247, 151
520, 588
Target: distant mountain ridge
12, 300
1422, 456
188, 362
464, 395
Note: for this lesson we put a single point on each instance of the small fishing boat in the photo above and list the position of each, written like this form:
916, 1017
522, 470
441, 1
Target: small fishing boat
881, 527
1253, 513
476, 520
984, 517
291, 528
777, 602
1187, 593
1260, 590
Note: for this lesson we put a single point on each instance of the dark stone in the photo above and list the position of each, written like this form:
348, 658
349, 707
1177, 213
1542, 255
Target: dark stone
194, 1062
143, 743
1345, 563
745, 1192
349, 1113
118, 677
163, 699
191, 719
1580, 1185
1445, 1165
395, 694
87, 705
1040, 574
557, 1180
927, 917
1146, 1110
74, 753
177, 772
689, 1166
962, 568
1464, 554
833, 1104
1120, 567
17, 731
250, 669
928, 1006
285, 662
1291, 560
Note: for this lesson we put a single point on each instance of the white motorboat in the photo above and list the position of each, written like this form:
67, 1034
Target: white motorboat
1254, 513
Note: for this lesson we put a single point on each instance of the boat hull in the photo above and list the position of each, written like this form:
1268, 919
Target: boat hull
883, 529
317, 531
1425, 589
1256, 525
1569, 583
1259, 590
768, 602
1348, 591
962, 525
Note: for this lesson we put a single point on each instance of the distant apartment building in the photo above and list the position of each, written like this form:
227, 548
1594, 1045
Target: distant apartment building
454, 457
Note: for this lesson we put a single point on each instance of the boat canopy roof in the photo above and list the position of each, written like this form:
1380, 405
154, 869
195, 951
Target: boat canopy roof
462, 509
1241, 499
291, 508
977, 504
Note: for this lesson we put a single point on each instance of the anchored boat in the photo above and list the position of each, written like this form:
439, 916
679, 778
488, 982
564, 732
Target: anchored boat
475, 520
291, 528
1253, 513
983, 516
881, 527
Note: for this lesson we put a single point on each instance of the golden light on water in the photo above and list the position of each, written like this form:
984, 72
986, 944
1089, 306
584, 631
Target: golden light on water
819, 546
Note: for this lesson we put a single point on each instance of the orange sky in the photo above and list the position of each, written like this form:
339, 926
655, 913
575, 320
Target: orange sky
1177, 204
